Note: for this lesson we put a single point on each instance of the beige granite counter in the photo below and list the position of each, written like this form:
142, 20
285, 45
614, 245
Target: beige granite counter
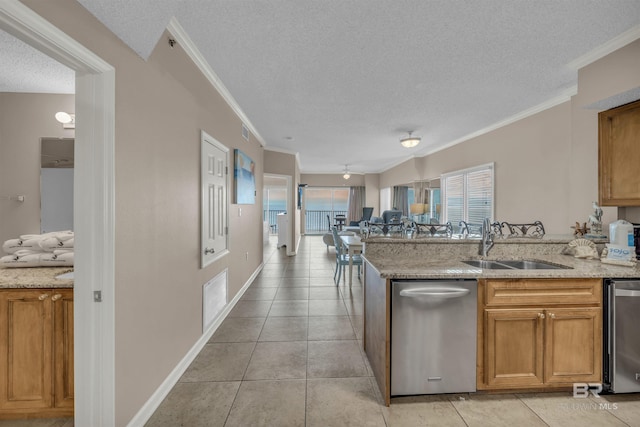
441, 258
36, 277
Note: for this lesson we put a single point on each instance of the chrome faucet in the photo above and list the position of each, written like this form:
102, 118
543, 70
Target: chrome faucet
487, 238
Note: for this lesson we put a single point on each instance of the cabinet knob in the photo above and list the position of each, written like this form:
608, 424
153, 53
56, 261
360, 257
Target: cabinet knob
56, 297
43, 297
541, 315
553, 316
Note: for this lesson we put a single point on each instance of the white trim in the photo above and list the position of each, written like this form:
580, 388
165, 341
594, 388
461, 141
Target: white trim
281, 150
605, 49
154, 401
94, 210
190, 48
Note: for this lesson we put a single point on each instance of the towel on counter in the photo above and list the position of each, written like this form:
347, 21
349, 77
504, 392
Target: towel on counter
13, 245
50, 244
50, 259
30, 260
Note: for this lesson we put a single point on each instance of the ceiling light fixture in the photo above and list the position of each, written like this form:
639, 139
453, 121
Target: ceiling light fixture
346, 175
410, 141
68, 120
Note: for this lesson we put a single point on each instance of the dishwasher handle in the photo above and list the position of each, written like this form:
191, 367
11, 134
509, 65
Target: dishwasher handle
437, 292
626, 293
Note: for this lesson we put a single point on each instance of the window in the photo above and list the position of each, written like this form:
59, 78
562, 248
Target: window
322, 202
467, 195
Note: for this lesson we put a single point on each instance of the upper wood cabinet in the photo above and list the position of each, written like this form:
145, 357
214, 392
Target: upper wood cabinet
619, 156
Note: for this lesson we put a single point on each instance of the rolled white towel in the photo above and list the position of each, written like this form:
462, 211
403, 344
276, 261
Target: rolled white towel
10, 261
62, 251
53, 260
25, 252
50, 244
13, 245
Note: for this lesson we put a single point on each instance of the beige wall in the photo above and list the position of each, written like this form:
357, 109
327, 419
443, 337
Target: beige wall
278, 163
546, 165
161, 106
24, 119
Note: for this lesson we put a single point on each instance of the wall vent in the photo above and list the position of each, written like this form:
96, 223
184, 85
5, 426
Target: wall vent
245, 132
214, 299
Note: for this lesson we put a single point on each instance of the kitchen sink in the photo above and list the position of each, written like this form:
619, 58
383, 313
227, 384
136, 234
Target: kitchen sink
492, 265
514, 264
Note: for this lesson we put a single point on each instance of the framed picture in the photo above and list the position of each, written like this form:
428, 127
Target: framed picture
245, 180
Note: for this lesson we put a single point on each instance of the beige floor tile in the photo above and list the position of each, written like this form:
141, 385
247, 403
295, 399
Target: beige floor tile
504, 410
354, 307
342, 402
259, 294
220, 362
330, 328
322, 281
196, 404
335, 359
269, 403
266, 282
299, 293
250, 309
325, 293
327, 308
563, 410
434, 410
625, 407
289, 308
294, 282
284, 329
238, 329
358, 325
278, 360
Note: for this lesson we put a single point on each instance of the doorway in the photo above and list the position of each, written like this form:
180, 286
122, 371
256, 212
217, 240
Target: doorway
94, 201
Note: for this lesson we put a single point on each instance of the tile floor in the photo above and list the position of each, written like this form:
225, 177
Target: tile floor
290, 354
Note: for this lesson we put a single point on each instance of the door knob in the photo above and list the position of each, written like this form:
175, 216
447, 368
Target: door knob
208, 251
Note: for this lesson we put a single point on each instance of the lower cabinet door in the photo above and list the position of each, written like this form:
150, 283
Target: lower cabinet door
573, 345
25, 350
513, 355
63, 347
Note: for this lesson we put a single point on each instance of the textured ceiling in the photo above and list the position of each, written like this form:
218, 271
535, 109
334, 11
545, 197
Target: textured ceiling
340, 82
25, 69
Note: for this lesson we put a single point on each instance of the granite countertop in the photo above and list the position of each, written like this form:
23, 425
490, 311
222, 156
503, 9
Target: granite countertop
36, 277
423, 268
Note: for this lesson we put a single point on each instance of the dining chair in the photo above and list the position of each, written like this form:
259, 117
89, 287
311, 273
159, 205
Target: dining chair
342, 258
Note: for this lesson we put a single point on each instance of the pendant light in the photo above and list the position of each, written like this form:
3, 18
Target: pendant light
410, 141
346, 175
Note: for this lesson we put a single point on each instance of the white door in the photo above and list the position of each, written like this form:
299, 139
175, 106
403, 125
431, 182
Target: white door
214, 182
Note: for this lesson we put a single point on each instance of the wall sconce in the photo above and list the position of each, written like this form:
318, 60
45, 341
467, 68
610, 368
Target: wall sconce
68, 120
410, 141
346, 175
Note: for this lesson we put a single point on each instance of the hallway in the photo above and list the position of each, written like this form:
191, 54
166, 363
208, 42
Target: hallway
290, 354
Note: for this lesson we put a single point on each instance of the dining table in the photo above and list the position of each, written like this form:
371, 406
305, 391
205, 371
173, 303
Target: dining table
353, 245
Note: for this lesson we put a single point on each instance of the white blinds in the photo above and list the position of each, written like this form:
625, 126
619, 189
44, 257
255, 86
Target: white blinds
468, 194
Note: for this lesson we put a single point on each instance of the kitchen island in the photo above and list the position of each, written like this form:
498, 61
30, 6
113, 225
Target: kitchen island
36, 343
537, 329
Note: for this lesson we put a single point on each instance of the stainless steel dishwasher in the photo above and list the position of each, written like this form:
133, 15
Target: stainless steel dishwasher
621, 339
433, 336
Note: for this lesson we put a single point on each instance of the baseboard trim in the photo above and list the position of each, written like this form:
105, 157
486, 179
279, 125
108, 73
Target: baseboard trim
152, 404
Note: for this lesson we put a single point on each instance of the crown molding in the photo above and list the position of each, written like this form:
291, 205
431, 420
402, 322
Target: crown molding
176, 30
605, 49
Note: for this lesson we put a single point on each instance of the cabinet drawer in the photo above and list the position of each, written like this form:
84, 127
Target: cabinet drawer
543, 291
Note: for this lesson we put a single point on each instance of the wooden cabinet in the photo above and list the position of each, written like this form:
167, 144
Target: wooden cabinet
36, 353
539, 333
619, 156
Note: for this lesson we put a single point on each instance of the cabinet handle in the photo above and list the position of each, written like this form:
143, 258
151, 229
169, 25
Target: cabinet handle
553, 316
541, 315
43, 297
56, 297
